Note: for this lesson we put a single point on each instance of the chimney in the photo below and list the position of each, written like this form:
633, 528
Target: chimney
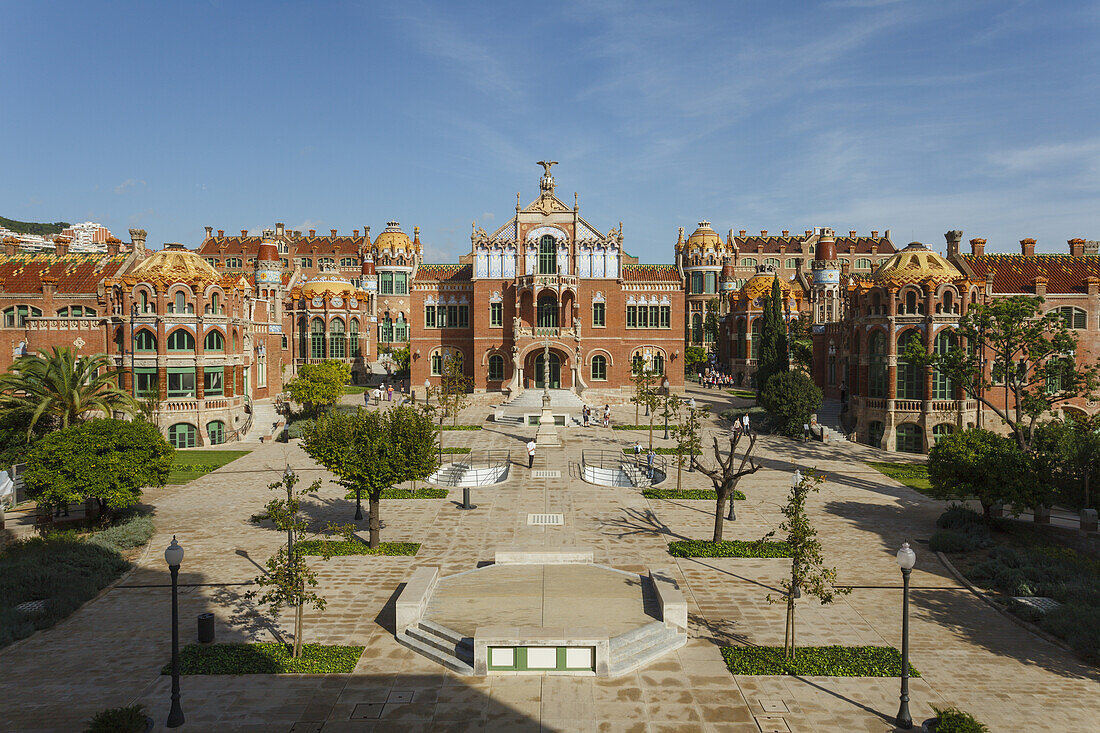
786, 233
742, 233
61, 246
280, 229
977, 247
763, 232
355, 233
954, 238
221, 233
244, 232
312, 233
11, 246
1077, 247
1027, 247
333, 232
874, 234
112, 247
809, 232
1040, 282
886, 234
137, 240
1092, 247
209, 231
851, 233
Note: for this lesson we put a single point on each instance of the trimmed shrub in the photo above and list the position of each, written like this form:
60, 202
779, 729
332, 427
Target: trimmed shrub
1079, 625
829, 661
134, 531
953, 720
790, 397
710, 494
957, 517
266, 658
355, 547
728, 548
656, 426
132, 719
949, 540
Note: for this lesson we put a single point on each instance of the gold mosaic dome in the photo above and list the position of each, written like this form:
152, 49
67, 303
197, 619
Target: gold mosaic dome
392, 238
914, 264
329, 283
760, 285
704, 237
174, 264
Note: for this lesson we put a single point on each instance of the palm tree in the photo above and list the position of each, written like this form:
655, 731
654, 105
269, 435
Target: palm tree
63, 386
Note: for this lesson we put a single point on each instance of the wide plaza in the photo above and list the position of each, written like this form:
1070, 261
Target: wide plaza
111, 651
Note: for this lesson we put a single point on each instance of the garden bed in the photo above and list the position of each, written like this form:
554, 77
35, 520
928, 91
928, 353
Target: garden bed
656, 426
188, 465
266, 658
709, 494
355, 547
629, 451
913, 475
426, 492
462, 427
729, 548
820, 661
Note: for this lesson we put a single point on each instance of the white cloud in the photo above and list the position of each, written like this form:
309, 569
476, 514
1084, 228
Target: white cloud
128, 184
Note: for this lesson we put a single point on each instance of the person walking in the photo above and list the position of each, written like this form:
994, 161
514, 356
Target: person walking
649, 457
805, 431
531, 453
585, 415
637, 452
607, 416
745, 426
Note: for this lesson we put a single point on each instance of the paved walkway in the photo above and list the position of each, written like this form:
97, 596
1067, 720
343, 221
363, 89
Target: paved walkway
110, 652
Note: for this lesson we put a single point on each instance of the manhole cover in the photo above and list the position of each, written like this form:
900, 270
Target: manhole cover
774, 706
367, 711
546, 474
400, 696
1039, 603
768, 724
31, 607
546, 519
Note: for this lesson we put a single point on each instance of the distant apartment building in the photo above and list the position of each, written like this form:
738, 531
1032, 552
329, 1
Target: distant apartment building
88, 236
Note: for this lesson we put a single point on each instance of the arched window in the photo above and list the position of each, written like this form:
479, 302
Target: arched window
75, 311
910, 384
863, 263
637, 364
180, 304
658, 363
910, 302
773, 261
145, 340
942, 387
548, 311
944, 428
145, 306
496, 368
547, 255
181, 340
216, 430
878, 373
385, 330
875, 431
792, 263
338, 346
876, 304
1074, 317
437, 363
697, 328
317, 339
215, 304
17, 315
948, 302
599, 368
182, 435
214, 341
910, 438
748, 262
757, 325
739, 346
353, 337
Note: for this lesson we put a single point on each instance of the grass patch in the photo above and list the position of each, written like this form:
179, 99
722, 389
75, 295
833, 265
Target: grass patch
913, 475
822, 661
426, 492
266, 658
355, 547
729, 548
953, 720
742, 393
738, 495
355, 389
656, 426
189, 465
455, 451
462, 427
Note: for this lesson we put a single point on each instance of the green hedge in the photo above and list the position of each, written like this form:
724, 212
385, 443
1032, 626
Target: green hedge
743, 393
426, 492
266, 658
738, 495
656, 426
953, 720
824, 661
355, 547
456, 451
462, 427
728, 548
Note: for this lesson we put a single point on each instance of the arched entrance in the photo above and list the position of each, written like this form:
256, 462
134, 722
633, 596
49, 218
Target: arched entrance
555, 371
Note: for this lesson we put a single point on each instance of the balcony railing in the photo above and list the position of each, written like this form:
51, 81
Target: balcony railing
546, 332
907, 405
547, 281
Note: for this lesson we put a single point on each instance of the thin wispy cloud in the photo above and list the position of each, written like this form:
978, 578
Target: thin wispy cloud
128, 184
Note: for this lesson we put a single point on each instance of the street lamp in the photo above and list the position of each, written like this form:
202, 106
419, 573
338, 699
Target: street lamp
427, 387
174, 556
665, 385
906, 560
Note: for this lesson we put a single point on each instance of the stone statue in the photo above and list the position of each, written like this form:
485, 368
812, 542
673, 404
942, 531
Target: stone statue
546, 164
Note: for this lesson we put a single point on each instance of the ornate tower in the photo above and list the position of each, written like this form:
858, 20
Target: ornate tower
269, 274
825, 285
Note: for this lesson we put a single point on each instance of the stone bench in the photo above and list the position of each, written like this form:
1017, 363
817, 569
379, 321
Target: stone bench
536, 555
413, 601
674, 610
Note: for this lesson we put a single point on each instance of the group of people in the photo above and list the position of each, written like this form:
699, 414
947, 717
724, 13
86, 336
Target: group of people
714, 379
650, 456
587, 416
384, 392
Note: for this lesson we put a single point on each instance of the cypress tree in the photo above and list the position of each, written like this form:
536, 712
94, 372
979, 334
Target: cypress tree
774, 357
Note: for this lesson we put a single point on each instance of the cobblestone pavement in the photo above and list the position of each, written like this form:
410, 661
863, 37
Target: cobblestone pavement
110, 652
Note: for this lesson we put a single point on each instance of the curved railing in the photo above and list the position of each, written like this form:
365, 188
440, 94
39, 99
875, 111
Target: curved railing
239, 433
480, 468
615, 468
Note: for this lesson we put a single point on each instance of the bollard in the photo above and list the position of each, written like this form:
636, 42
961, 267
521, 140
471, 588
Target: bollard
466, 499
206, 628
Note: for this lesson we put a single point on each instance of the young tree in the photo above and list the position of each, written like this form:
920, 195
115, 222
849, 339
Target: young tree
370, 451
791, 397
694, 356
1032, 357
1066, 456
710, 324
687, 438
108, 460
319, 385
645, 393
801, 342
400, 357
289, 578
64, 387
980, 464
808, 572
454, 385
727, 472
773, 357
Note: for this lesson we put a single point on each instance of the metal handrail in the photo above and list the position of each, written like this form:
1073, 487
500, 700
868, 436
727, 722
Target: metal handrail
615, 459
480, 468
242, 431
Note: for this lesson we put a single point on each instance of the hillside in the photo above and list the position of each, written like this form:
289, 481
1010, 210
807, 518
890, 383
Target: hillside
30, 227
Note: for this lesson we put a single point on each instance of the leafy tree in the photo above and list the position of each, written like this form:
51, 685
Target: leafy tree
801, 342
108, 460
645, 382
289, 578
686, 435
400, 357
1032, 356
14, 441
773, 357
710, 324
694, 356
791, 397
33, 227
808, 572
726, 474
1066, 458
454, 385
319, 385
64, 387
370, 451
981, 464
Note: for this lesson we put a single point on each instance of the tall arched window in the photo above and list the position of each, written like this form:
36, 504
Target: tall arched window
910, 438
353, 337
658, 363
145, 340
216, 430
599, 368
1074, 317
214, 341
496, 368
144, 304
910, 376
215, 305
697, 328
757, 325
182, 435
338, 346
878, 374
547, 255
739, 346
181, 340
548, 311
317, 339
942, 387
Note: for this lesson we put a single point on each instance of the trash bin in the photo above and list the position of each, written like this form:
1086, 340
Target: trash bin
206, 628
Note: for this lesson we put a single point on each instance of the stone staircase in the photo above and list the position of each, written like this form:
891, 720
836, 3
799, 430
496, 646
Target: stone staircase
264, 418
451, 475
641, 646
636, 474
440, 644
828, 419
530, 400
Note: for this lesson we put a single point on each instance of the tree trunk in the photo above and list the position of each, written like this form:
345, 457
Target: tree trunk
732, 515
296, 650
719, 510
986, 507
636, 406
788, 633
651, 429
679, 469
1087, 506
373, 523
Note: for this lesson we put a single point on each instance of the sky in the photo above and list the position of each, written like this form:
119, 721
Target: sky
918, 117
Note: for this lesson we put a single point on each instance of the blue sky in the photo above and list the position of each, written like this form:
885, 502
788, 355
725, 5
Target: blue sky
917, 117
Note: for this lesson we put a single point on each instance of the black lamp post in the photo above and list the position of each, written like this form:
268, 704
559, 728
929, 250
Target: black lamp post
665, 385
906, 560
174, 556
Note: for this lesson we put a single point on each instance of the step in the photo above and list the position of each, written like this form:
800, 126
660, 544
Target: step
442, 631
656, 633
621, 666
617, 643
463, 651
450, 661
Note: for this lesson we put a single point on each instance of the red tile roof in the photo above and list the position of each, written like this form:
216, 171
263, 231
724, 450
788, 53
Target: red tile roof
1017, 273
651, 273
74, 273
444, 272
